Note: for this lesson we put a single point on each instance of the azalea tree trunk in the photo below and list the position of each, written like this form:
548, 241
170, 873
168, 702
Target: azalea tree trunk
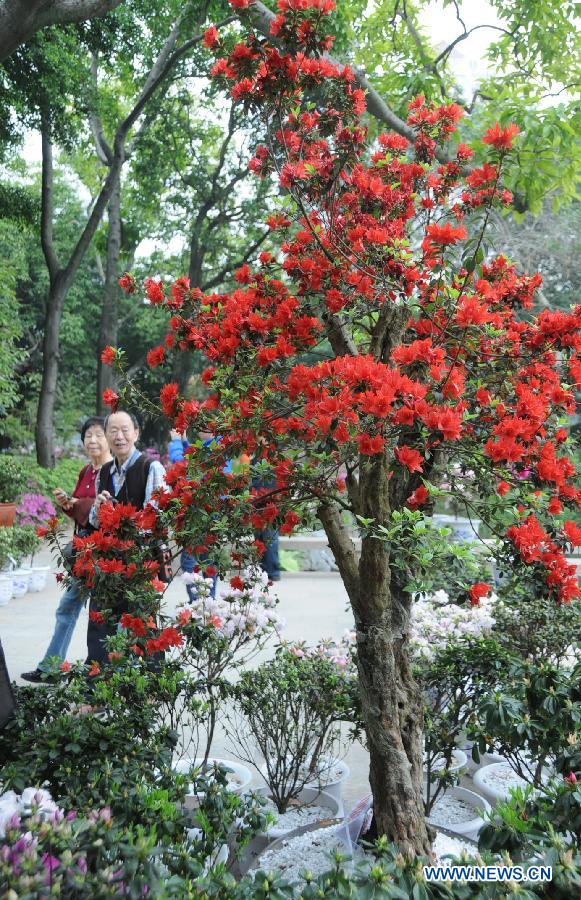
391, 701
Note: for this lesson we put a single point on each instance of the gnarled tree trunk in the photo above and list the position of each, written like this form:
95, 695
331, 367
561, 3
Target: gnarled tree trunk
391, 701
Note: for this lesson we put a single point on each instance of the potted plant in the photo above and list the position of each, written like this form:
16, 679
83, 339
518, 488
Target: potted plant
12, 483
531, 717
221, 635
34, 511
453, 680
286, 710
6, 560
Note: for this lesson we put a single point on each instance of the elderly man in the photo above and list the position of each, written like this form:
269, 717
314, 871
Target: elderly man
130, 477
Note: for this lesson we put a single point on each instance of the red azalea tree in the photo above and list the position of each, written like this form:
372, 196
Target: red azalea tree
373, 351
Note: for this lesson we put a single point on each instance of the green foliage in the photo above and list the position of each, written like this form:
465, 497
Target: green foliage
533, 714
532, 626
6, 542
453, 682
426, 561
10, 324
12, 478
64, 474
24, 542
533, 71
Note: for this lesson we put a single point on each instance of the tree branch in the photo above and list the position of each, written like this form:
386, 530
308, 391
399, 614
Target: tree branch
341, 343
219, 277
388, 330
342, 547
104, 152
20, 19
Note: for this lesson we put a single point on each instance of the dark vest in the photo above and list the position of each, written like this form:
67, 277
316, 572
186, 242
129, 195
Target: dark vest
133, 490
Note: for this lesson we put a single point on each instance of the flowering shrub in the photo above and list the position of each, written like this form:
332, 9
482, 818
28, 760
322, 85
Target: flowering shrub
243, 614
34, 509
436, 621
14, 806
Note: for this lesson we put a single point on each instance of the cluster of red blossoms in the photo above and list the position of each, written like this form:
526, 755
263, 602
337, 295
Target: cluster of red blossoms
347, 340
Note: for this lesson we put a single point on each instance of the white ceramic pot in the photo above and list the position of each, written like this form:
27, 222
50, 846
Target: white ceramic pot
241, 777
468, 828
495, 780
458, 762
307, 797
20, 581
38, 578
485, 760
330, 775
6, 588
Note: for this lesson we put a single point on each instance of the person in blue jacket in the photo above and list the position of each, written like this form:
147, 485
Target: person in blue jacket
176, 450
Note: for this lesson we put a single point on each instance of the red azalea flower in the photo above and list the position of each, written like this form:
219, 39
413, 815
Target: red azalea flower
96, 616
95, 669
127, 283
446, 234
65, 666
108, 356
210, 37
501, 138
110, 398
156, 356
237, 583
477, 592
409, 458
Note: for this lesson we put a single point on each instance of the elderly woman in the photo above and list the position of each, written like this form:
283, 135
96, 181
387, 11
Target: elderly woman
77, 507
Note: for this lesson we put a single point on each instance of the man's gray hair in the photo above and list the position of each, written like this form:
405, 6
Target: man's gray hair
131, 415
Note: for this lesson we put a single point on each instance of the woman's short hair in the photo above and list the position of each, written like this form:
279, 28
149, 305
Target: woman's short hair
88, 423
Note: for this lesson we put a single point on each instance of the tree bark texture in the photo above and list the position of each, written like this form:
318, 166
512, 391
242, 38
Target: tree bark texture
391, 701
45, 454
110, 308
20, 19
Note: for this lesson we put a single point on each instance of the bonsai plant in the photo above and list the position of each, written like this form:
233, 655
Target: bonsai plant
12, 483
288, 709
453, 680
25, 543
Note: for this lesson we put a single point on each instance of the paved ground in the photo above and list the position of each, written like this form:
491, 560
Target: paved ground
314, 605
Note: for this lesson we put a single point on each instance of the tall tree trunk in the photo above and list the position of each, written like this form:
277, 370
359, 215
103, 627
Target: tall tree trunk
391, 701
183, 363
110, 308
45, 454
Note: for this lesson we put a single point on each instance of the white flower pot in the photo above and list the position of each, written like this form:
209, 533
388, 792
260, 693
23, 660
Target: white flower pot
38, 578
485, 760
467, 827
459, 761
307, 797
495, 781
20, 581
241, 777
6, 588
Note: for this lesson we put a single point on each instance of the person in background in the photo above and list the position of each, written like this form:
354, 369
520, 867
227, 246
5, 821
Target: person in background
77, 507
130, 477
